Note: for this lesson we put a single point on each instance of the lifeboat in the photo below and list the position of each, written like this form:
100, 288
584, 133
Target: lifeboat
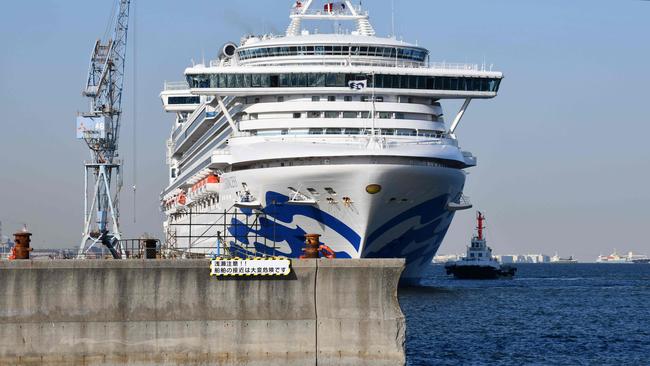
180, 200
205, 186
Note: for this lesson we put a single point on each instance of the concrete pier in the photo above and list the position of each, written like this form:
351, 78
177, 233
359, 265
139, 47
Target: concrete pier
171, 312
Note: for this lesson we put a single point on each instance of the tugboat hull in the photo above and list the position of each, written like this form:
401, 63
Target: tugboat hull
477, 272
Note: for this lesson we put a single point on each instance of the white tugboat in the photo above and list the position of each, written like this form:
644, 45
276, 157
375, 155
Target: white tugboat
479, 263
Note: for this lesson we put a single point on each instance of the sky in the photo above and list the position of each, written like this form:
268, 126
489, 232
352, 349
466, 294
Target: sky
563, 152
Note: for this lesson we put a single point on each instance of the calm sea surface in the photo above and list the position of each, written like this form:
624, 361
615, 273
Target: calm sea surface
549, 314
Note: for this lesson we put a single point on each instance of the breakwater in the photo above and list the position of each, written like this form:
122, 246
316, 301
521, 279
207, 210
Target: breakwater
172, 312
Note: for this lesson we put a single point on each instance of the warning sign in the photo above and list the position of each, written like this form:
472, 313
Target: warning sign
272, 266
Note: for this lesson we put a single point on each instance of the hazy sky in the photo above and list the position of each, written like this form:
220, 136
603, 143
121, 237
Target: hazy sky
563, 150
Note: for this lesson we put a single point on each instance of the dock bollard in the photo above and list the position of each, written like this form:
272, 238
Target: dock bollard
21, 246
312, 242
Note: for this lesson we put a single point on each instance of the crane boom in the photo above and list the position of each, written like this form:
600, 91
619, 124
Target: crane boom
99, 128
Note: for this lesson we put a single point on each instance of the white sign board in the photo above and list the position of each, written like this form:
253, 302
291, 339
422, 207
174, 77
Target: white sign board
91, 127
250, 267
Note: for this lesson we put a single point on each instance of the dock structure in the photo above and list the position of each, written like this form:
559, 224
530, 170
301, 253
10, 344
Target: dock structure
172, 312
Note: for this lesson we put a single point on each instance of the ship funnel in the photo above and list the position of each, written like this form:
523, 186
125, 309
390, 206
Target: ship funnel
228, 50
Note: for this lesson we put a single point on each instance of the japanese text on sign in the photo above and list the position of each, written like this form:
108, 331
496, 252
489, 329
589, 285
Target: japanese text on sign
250, 267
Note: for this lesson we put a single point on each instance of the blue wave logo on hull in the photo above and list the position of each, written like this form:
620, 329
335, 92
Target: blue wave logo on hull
271, 228
419, 243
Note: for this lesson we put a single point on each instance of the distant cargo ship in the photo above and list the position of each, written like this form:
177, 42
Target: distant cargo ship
559, 260
629, 258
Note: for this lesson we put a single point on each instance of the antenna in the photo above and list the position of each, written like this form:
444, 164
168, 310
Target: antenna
392, 18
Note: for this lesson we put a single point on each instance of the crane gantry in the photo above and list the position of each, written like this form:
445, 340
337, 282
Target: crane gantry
99, 128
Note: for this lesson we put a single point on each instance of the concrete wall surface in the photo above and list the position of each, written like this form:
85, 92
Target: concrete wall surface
171, 312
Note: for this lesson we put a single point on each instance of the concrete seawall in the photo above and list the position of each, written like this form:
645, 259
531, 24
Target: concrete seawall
171, 312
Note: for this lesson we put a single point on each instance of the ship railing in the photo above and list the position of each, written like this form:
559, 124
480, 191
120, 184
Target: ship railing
198, 113
176, 85
386, 140
300, 11
228, 102
356, 61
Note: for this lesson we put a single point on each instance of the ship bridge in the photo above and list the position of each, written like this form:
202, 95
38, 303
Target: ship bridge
331, 49
304, 62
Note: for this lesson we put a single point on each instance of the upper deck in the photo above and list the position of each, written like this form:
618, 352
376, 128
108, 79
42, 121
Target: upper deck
302, 62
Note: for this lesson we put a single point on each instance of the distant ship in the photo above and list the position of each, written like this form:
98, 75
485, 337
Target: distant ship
479, 263
630, 258
559, 260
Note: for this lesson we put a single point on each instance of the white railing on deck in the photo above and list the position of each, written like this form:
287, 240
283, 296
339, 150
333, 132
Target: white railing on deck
274, 61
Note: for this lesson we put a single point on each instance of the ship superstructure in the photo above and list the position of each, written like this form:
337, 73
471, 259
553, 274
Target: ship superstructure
337, 134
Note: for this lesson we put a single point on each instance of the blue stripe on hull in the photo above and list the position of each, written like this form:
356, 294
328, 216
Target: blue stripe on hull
272, 228
417, 244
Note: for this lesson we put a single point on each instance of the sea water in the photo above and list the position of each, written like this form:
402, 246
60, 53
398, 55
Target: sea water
549, 314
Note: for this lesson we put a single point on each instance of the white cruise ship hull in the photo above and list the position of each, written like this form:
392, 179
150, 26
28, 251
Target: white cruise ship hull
407, 218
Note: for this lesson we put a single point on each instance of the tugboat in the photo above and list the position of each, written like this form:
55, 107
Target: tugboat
479, 263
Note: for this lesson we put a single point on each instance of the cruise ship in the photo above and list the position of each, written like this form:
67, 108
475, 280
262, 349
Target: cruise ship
339, 134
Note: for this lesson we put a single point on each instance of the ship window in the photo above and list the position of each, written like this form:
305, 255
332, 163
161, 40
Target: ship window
316, 80
253, 115
331, 114
399, 115
315, 131
365, 114
427, 133
315, 98
471, 254
387, 131
266, 80
299, 80
480, 254
333, 131
285, 80
330, 190
347, 98
383, 115
297, 115
405, 132
183, 100
349, 114
284, 132
274, 81
313, 114
352, 131
280, 99
331, 98
230, 80
339, 80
